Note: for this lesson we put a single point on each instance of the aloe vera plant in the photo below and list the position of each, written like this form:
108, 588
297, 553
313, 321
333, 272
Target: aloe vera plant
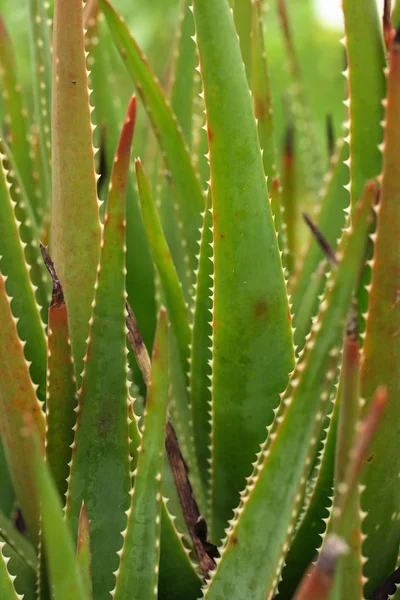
192, 405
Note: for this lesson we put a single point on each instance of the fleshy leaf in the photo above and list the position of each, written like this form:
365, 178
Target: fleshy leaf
180, 331
348, 580
65, 578
381, 355
41, 61
28, 229
100, 455
17, 398
365, 55
7, 590
330, 221
182, 103
312, 523
186, 183
258, 538
75, 228
109, 116
19, 287
137, 577
61, 398
262, 99
16, 115
177, 310
251, 320
200, 371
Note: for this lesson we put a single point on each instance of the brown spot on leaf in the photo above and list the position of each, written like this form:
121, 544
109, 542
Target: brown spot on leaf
234, 540
260, 107
210, 134
260, 309
371, 457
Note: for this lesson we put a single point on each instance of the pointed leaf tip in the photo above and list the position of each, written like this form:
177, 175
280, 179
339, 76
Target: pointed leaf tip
125, 141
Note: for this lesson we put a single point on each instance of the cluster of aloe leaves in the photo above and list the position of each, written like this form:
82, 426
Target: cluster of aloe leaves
191, 405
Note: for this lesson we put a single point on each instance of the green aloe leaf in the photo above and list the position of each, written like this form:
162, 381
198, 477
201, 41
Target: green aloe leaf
330, 221
17, 122
182, 90
100, 456
381, 355
28, 229
260, 86
365, 55
19, 287
310, 158
200, 354
396, 14
109, 116
25, 575
137, 577
40, 34
61, 400
74, 249
259, 535
18, 398
177, 309
185, 180
7, 589
65, 578
251, 320
180, 331
311, 528
243, 14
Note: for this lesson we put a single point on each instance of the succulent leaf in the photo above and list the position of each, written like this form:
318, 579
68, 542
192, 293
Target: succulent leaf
200, 371
251, 320
28, 229
172, 288
100, 456
75, 225
18, 397
260, 86
348, 583
16, 115
64, 574
182, 92
311, 527
330, 221
269, 504
179, 318
41, 61
19, 286
109, 116
137, 577
381, 354
7, 589
365, 53
61, 400
186, 182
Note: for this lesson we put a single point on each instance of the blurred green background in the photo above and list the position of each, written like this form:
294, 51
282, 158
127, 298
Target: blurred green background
154, 23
